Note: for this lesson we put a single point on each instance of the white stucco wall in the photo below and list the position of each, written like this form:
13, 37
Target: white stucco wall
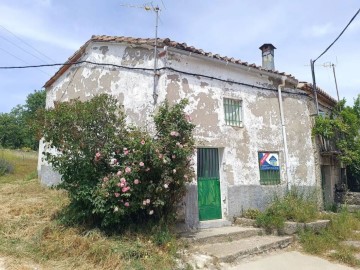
239, 146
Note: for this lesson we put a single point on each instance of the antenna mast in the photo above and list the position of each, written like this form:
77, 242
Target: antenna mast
150, 7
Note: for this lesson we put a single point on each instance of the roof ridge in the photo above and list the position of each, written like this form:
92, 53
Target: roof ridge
161, 42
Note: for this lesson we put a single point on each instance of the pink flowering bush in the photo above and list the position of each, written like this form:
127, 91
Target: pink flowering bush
118, 174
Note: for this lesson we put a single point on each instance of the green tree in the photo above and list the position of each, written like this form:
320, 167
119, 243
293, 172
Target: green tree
343, 127
11, 132
17, 128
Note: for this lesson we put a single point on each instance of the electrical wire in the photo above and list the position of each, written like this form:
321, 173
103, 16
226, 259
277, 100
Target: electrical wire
338, 35
16, 45
149, 70
13, 55
23, 41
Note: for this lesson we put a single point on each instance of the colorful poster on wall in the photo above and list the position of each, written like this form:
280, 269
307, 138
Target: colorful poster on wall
269, 161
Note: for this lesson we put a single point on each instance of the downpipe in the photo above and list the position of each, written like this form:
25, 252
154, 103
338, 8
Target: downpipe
283, 128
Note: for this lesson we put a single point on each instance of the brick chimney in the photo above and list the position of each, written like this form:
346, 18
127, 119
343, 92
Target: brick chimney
267, 50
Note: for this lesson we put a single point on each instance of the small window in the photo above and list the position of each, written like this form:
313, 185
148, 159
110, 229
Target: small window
269, 168
322, 114
232, 110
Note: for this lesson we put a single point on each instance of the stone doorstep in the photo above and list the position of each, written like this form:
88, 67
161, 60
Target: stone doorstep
290, 227
223, 234
230, 252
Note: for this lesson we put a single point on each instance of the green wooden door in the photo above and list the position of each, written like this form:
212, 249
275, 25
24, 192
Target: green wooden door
208, 184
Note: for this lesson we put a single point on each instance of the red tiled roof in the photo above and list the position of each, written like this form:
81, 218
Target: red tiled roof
322, 95
151, 41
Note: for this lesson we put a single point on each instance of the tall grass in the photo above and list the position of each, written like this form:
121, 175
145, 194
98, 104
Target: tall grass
294, 206
330, 242
31, 235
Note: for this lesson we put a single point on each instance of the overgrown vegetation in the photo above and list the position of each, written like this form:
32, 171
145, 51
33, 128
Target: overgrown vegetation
117, 175
342, 127
17, 129
294, 206
5, 167
32, 237
331, 242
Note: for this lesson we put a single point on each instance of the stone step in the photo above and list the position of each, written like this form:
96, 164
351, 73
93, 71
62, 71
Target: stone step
230, 252
351, 207
218, 235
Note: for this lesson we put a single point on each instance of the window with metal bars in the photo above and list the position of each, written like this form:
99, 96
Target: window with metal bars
233, 112
269, 168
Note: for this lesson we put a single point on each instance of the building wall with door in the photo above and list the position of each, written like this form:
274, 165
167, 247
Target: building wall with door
235, 109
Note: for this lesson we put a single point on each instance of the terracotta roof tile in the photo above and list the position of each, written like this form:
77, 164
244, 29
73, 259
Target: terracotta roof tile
322, 95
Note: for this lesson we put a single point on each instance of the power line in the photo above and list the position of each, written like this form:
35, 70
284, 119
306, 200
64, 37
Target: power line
13, 55
339, 35
13, 43
150, 70
26, 43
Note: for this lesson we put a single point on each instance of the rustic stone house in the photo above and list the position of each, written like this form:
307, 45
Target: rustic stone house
253, 124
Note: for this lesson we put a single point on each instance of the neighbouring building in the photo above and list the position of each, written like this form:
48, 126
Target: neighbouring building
253, 123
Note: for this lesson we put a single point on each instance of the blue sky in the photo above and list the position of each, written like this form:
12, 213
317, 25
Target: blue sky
300, 30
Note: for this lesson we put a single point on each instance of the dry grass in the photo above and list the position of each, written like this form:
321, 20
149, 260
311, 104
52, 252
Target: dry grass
31, 238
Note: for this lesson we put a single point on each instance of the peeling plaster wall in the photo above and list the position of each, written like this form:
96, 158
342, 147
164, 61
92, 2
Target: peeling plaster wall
133, 88
239, 146
261, 131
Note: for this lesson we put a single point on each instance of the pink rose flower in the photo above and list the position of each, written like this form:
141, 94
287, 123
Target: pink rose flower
127, 204
161, 156
144, 202
98, 155
147, 201
122, 180
128, 170
136, 181
119, 173
119, 184
174, 133
142, 142
117, 194
105, 179
124, 189
141, 164
173, 156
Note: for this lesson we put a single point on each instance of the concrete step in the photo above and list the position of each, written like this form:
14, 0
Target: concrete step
351, 207
223, 234
230, 252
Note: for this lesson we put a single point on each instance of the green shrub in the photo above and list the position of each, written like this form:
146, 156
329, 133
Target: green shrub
294, 206
5, 167
251, 213
115, 174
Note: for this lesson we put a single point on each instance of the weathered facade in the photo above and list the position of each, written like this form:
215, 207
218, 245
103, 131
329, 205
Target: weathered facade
243, 157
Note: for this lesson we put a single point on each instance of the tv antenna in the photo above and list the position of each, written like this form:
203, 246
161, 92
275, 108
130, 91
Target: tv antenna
156, 9
331, 65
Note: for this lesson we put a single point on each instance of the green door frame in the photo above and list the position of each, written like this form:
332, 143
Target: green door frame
208, 179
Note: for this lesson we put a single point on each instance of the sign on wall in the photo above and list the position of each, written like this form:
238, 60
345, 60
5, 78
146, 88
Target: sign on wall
268, 161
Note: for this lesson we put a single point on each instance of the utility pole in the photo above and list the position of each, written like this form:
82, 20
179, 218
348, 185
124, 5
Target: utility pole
156, 74
314, 86
336, 85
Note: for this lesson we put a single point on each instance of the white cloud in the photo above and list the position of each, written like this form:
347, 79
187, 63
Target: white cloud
33, 27
319, 30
